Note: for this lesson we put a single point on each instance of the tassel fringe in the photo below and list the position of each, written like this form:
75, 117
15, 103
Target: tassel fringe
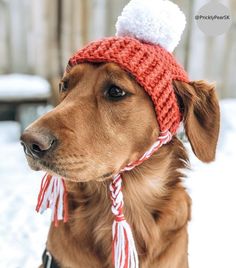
53, 195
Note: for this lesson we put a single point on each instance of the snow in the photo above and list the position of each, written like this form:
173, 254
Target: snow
212, 188
212, 231
22, 231
22, 86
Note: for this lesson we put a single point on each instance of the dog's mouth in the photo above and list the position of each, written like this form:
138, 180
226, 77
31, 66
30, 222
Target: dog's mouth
105, 176
58, 170
38, 164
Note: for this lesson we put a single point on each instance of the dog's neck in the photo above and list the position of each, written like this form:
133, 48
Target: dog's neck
155, 204
146, 188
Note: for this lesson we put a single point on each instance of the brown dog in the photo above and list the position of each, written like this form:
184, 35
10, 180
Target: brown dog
90, 135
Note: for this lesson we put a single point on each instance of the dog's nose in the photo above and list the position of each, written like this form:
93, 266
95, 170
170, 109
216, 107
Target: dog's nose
37, 144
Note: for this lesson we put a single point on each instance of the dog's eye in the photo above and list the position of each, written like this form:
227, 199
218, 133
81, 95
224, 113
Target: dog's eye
115, 93
63, 86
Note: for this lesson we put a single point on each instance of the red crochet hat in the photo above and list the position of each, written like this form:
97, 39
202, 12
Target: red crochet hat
153, 67
142, 47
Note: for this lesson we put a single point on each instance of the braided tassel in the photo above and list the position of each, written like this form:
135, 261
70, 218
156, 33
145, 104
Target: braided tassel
53, 195
123, 246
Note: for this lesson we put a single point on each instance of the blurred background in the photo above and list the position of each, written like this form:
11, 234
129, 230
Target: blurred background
37, 37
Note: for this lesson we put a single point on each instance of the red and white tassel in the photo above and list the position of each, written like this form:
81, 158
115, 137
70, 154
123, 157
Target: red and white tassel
123, 246
53, 195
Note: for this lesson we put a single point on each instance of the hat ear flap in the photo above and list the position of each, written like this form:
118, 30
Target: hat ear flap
201, 116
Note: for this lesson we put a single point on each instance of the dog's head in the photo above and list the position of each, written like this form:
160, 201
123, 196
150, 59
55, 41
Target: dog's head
105, 120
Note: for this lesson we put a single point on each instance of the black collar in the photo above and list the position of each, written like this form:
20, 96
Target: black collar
48, 260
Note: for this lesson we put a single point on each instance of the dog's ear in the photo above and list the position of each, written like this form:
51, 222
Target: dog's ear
201, 116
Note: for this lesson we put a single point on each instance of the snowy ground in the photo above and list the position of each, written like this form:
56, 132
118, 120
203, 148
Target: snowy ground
22, 231
213, 190
212, 231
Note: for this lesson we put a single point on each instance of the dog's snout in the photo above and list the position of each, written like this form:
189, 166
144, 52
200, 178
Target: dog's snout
37, 144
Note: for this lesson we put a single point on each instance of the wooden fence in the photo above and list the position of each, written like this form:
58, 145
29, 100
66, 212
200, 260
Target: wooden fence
38, 36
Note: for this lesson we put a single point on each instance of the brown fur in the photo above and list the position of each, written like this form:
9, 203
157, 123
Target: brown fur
95, 138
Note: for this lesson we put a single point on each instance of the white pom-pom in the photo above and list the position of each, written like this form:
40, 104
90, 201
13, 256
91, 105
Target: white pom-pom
152, 21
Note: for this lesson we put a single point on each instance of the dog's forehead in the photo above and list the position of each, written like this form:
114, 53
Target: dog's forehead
79, 70
112, 70
87, 75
